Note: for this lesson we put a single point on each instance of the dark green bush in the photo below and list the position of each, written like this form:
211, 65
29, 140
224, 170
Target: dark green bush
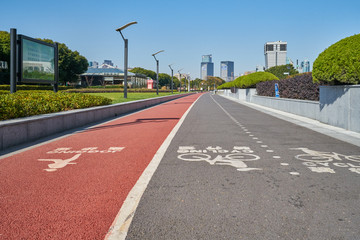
29, 103
300, 86
340, 63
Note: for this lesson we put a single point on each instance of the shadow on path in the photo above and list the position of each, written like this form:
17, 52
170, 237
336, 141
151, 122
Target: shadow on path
138, 121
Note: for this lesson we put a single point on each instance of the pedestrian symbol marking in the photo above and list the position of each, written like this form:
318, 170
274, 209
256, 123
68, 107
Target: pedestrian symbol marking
58, 163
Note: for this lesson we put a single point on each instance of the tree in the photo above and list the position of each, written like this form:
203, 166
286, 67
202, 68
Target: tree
148, 73
176, 82
196, 84
214, 80
340, 63
5, 46
5, 56
71, 63
280, 70
164, 80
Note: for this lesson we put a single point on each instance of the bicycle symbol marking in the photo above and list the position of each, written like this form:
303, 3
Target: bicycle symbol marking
321, 162
235, 158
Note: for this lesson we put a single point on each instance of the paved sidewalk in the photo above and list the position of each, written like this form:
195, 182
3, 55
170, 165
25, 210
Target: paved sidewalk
335, 132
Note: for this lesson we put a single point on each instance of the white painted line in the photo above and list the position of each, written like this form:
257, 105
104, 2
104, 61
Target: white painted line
259, 142
276, 157
255, 138
294, 173
270, 151
264, 146
251, 135
284, 164
121, 224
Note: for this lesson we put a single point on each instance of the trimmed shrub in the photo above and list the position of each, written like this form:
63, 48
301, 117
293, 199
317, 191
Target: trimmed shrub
249, 81
226, 85
340, 63
29, 103
298, 87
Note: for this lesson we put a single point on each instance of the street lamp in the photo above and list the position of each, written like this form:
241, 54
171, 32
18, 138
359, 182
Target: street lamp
172, 74
157, 72
180, 78
189, 83
125, 55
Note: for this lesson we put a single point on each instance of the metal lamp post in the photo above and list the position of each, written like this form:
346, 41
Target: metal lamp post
180, 78
157, 71
189, 83
125, 55
172, 74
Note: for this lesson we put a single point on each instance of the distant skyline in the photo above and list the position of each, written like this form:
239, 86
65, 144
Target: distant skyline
229, 30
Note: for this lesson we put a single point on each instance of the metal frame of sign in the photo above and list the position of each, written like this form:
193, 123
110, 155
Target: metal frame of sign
16, 61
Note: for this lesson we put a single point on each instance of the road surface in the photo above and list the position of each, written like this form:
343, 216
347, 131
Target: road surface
213, 169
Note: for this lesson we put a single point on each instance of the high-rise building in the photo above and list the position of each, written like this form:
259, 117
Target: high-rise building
305, 66
227, 70
93, 64
207, 58
275, 54
108, 62
207, 67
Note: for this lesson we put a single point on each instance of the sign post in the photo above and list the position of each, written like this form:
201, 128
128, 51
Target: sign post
13, 62
277, 90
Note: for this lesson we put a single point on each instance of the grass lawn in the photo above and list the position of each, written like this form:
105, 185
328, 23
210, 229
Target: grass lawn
119, 97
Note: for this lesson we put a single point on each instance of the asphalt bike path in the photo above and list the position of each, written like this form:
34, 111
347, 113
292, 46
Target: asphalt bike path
232, 172
73, 187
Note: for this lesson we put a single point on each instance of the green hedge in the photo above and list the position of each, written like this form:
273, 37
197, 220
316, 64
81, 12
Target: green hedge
249, 81
29, 103
340, 63
110, 90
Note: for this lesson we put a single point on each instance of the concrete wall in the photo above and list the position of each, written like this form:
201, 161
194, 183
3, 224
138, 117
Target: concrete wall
18, 131
338, 106
303, 108
241, 94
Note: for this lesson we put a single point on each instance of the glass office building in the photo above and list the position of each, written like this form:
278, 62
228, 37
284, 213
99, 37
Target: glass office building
207, 67
227, 70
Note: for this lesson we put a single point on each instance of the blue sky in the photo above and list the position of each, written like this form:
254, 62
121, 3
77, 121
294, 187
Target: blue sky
230, 30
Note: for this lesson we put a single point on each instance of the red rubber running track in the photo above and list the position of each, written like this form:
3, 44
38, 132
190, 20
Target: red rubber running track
73, 188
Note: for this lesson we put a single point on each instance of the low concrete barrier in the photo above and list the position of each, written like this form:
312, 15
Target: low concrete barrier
18, 131
309, 109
